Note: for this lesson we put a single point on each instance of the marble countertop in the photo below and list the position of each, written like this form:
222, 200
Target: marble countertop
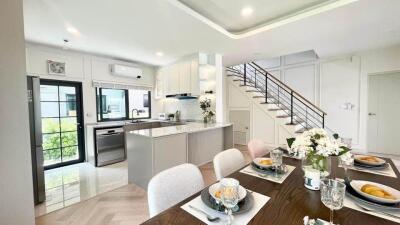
122, 123
189, 127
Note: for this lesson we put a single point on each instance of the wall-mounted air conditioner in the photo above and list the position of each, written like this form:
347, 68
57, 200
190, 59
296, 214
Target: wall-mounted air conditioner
126, 71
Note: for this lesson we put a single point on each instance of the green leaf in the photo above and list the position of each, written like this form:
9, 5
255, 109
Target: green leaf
290, 141
336, 136
345, 150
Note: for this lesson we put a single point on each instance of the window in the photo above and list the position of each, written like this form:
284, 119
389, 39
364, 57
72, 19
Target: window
118, 104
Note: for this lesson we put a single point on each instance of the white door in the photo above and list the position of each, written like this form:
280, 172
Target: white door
383, 113
241, 125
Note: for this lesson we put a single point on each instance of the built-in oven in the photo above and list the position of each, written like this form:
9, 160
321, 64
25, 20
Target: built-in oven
109, 146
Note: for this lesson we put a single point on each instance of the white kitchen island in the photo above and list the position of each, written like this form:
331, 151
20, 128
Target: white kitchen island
150, 151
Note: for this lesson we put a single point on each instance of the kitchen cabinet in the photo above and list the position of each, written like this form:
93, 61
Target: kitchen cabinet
179, 78
185, 77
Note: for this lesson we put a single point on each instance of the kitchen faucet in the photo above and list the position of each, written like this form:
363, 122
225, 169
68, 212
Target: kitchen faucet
137, 113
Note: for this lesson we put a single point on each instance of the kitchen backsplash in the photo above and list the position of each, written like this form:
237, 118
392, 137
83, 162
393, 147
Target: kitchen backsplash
189, 108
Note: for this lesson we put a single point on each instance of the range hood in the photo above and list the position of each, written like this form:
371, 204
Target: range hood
183, 96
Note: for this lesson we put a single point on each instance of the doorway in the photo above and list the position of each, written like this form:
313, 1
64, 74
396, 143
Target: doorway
241, 124
383, 110
62, 123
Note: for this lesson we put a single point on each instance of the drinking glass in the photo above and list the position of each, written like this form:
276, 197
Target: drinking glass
276, 156
332, 195
346, 161
229, 196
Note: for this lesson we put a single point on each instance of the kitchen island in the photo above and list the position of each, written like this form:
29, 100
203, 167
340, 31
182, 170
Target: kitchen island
150, 151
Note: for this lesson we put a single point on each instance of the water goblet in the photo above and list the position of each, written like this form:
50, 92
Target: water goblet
346, 161
229, 196
276, 156
332, 195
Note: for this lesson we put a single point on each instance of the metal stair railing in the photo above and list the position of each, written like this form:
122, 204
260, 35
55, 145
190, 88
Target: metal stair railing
297, 107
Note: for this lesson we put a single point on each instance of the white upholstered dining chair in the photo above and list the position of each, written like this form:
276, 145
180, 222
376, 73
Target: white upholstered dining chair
257, 148
227, 162
172, 186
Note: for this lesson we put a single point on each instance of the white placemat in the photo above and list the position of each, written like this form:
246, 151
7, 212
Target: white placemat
349, 203
389, 172
250, 171
244, 218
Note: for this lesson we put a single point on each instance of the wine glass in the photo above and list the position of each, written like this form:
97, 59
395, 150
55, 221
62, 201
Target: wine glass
332, 195
276, 156
229, 196
346, 161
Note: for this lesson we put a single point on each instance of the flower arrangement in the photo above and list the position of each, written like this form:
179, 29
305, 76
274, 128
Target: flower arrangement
205, 105
316, 147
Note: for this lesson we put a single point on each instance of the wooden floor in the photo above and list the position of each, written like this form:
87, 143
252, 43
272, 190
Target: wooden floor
123, 206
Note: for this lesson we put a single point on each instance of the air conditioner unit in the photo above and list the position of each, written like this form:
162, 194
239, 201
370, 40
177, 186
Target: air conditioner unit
126, 71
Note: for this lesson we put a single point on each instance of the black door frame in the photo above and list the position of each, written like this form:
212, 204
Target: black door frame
79, 118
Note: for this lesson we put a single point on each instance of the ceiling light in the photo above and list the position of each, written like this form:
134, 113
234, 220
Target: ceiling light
247, 11
73, 31
160, 53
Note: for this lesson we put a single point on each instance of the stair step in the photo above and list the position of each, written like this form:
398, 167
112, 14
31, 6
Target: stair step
259, 97
252, 91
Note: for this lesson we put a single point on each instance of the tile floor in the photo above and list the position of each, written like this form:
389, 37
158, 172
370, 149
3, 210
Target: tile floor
72, 184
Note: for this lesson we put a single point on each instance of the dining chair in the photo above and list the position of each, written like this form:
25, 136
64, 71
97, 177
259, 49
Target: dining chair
257, 148
227, 162
172, 186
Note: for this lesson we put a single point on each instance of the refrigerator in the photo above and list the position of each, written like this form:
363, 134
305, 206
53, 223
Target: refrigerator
35, 126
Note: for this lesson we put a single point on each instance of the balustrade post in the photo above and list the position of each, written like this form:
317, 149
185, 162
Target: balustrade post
266, 88
291, 107
244, 74
323, 120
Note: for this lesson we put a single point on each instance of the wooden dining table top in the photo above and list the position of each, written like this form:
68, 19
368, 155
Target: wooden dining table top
290, 201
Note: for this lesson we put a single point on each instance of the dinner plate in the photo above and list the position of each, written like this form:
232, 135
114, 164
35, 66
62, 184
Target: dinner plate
258, 161
359, 199
358, 159
269, 170
357, 185
365, 166
243, 206
216, 187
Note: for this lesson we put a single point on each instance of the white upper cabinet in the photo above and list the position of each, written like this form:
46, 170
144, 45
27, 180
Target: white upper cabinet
178, 78
194, 77
185, 77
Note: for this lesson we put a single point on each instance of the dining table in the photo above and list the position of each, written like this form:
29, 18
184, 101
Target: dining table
290, 201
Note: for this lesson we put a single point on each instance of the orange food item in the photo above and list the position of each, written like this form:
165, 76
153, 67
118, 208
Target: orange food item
369, 159
376, 191
266, 162
218, 194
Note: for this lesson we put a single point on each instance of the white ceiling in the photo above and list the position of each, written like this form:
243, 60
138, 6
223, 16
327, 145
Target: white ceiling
136, 29
228, 12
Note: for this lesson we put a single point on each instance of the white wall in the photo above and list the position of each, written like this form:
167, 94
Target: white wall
16, 194
332, 82
84, 68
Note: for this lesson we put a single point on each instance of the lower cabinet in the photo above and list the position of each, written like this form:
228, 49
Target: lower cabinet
169, 151
203, 146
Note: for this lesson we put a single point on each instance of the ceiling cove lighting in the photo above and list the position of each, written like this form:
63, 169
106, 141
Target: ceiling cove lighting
159, 54
290, 18
247, 11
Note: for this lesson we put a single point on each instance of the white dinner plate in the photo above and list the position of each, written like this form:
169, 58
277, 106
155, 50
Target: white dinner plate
216, 187
357, 185
258, 160
358, 159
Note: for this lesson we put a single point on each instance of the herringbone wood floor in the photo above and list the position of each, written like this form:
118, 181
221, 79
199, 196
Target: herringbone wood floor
123, 206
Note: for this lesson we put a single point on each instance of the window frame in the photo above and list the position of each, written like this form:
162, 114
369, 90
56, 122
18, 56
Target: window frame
127, 111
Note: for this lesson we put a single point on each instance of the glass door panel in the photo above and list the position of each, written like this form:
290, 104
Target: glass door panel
61, 123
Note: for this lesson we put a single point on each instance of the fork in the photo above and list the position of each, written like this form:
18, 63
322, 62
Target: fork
376, 211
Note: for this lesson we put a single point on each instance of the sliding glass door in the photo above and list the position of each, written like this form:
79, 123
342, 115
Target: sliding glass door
62, 130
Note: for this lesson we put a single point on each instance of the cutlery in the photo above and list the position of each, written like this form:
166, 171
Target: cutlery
376, 211
209, 217
258, 174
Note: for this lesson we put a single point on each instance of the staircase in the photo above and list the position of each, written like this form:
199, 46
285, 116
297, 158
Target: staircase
266, 89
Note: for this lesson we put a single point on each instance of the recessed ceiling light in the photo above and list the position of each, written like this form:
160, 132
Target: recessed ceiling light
73, 31
159, 53
247, 11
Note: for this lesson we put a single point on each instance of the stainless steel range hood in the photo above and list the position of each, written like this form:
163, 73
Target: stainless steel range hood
183, 96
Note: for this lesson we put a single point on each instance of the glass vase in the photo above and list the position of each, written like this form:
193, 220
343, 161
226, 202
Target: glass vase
317, 162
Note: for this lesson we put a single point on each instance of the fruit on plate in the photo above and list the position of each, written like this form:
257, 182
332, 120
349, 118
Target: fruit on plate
369, 159
376, 191
266, 162
218, 194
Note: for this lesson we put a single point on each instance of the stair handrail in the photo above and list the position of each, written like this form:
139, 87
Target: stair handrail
286, 86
